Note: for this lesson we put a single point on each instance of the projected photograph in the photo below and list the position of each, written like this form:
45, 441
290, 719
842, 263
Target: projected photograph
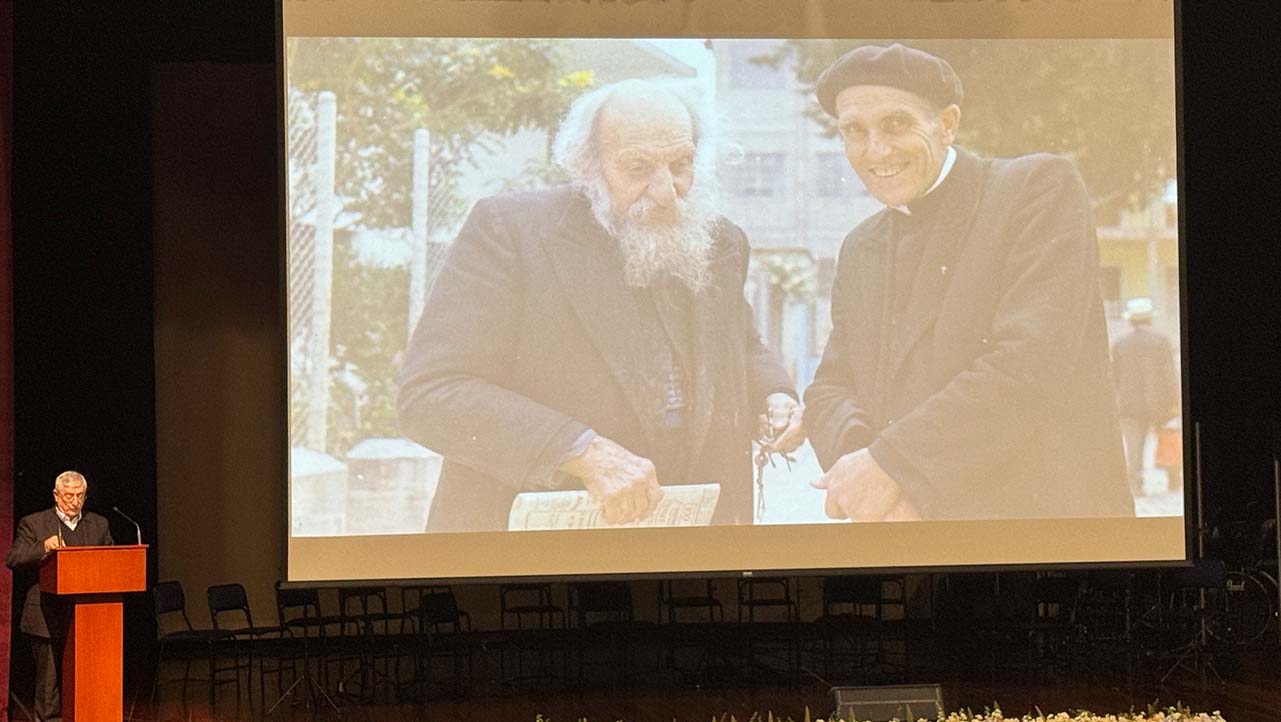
545, 284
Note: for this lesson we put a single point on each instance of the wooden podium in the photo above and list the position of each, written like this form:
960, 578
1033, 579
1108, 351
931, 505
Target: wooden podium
94, 580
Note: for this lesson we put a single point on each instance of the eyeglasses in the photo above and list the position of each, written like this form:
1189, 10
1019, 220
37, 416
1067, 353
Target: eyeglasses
70, 495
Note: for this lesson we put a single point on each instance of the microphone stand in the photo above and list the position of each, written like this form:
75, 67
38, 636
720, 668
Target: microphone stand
1276, 530
137, 529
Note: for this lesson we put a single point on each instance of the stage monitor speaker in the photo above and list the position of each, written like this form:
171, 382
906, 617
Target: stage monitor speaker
888, 702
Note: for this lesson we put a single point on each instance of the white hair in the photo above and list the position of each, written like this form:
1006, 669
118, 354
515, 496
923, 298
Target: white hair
577, 145
683, 250
70, 478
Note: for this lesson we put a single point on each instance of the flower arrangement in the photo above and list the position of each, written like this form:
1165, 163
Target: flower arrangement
1169, 714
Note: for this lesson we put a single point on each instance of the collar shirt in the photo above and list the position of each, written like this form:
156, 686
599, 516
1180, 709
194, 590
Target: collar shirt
948, 162
70, 521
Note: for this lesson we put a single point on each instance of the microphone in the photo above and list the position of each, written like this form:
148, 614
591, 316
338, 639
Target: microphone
128, 518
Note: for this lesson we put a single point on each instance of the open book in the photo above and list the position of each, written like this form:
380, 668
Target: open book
689, 505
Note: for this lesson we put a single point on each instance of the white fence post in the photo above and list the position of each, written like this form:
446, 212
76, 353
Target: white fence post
418, 220
322, 290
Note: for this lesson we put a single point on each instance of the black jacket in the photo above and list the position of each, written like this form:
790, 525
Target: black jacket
1147, 384
43, 615
988, 395
528, 338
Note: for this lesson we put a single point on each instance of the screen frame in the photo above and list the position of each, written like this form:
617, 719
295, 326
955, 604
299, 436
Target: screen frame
1192, 492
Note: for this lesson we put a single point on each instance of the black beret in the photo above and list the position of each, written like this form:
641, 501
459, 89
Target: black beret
897, 66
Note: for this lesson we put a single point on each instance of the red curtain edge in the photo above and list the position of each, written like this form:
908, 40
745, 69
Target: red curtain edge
6, 339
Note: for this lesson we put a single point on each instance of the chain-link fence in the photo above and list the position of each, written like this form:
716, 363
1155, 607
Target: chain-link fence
311, 147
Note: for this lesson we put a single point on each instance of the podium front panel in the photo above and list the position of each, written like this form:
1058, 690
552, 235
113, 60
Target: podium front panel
93, 663
95, 570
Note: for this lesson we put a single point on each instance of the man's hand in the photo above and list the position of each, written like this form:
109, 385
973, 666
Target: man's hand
859, 489
781, 422
52, 543
625, 485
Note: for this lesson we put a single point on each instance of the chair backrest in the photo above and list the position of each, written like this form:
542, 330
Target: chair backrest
228, 599
677, 595
850, 594
169, 599
524, 596
294, 603
764, 589
432, 608
772, 594
356, 602
610, 601
526, 604
363, 610
298, 598
438, 606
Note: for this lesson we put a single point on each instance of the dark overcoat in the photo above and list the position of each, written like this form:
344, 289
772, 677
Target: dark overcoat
1147, 384
529, 337
45, 615
989, 394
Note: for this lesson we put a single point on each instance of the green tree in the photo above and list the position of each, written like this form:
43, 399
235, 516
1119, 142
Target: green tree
471, 94
368, 336
468, 92
1109, 104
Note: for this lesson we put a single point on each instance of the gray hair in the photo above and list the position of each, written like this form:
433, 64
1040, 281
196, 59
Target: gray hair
70, 478
577, 147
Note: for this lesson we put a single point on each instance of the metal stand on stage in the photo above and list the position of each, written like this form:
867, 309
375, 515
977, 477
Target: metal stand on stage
308, 681
1276, 531
1196, 657
13, 697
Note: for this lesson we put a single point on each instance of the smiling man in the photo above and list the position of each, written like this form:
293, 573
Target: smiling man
595, 335
966, 376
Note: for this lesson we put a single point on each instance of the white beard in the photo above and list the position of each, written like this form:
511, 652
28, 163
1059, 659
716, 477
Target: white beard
681, 249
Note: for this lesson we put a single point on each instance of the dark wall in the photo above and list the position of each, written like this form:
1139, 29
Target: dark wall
83, 190
82, 249
220, 431
6, 334
82, 270
1233, 258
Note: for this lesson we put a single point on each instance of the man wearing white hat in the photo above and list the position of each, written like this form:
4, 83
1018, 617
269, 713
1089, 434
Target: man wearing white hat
1146, 385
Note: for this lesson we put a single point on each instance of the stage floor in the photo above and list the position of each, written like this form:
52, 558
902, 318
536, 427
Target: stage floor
1252, 693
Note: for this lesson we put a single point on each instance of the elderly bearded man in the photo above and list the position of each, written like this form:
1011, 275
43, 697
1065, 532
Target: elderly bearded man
595, 335
44, 616
966, 376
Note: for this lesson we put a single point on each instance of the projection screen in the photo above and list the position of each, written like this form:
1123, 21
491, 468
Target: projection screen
587, 288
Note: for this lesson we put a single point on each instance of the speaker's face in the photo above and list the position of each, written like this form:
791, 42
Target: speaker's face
70, 499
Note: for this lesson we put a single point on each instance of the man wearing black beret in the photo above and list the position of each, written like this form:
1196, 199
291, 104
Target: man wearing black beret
966, 376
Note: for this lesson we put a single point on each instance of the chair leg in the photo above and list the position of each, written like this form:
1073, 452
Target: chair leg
155, 679
213, 677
